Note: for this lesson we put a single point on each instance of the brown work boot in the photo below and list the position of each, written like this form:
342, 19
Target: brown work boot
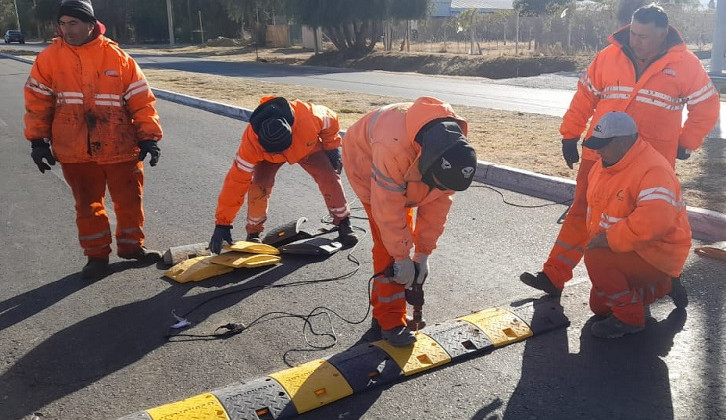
143, 255
541, 282
346, 236
95, 268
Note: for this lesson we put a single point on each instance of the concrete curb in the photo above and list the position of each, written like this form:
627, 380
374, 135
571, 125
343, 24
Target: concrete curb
706, 225
303, 388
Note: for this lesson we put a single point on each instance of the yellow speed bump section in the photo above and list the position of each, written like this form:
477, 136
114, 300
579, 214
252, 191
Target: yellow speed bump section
424, 354
313, 384
200, 407
501, 326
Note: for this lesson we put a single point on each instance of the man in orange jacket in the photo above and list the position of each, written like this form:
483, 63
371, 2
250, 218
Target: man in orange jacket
638, 236
89, 106
397, 158
283, 131
647, 72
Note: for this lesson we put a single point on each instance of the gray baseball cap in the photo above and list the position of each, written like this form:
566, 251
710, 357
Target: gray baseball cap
611, 125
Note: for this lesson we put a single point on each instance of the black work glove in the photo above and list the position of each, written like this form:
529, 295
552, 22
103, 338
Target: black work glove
221, 233
683, 153
569, 151
40, 149
151, 147
336, 159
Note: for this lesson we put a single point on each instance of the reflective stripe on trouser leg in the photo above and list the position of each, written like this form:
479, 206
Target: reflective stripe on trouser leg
88, 185
258, 195
388, 298
625, 283
567, 251
319, 167
126, 185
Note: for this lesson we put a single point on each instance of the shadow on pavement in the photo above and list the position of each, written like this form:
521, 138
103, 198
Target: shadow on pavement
100, 345
607, 379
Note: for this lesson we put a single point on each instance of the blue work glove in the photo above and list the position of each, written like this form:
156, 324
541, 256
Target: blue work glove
404, 272
683, 153
421, 264
221, 233
570, 152
336, 159
40, 149
151, 147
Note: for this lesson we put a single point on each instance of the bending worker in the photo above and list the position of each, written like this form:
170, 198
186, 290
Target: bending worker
89, 106
283, 131
647, 72
397, 158
638, 236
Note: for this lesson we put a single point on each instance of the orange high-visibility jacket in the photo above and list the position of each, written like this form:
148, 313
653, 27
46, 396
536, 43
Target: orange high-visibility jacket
381, 159
316, 128
637, 202
92, 101
654, 99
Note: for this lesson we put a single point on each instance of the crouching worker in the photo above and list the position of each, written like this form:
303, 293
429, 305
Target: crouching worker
397, 158
638, 236
283, 131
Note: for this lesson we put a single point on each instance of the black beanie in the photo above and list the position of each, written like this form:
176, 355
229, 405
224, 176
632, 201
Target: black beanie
79, 9
272, 122
454, 169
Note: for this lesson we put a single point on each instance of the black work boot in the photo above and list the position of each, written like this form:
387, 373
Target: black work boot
95, 268
540, 282
254, 237
143, 255
346, 236
678, 293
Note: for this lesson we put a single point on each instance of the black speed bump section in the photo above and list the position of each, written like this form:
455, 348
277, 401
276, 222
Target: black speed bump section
293, 391
259, 399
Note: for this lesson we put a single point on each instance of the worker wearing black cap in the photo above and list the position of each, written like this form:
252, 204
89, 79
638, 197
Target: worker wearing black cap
282, 131
397, 158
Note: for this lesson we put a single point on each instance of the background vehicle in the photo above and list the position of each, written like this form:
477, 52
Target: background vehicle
14, 36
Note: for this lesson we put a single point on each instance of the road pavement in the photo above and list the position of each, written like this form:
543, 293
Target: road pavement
70, 349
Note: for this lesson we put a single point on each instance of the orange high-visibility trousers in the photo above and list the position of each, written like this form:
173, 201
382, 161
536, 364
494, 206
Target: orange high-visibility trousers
125, 181
623, 283
318, 166
567, 250
388, 298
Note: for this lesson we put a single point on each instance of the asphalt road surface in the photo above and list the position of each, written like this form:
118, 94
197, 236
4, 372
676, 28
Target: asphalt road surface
71, 349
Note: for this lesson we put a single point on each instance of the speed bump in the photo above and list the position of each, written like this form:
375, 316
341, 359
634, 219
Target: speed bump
502, 327
313, 384
293, 391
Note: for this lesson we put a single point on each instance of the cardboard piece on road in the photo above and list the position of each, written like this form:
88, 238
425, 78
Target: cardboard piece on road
716, 251
196, 269
244, 259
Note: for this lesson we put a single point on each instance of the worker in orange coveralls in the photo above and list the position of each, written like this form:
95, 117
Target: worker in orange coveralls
283, 131
89, 106
397, 158
638, 236
647, 72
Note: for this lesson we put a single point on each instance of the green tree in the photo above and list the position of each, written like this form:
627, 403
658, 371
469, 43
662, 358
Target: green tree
352, 25
538, 7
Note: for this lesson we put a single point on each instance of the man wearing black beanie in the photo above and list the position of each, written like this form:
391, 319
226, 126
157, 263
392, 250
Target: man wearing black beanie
108, 126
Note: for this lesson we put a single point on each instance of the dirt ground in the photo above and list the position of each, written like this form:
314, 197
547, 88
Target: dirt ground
516, 139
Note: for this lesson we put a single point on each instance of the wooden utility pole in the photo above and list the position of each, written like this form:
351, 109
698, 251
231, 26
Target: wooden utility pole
17, 16
170, 21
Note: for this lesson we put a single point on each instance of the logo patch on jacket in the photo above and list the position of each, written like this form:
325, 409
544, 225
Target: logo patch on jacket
111, 73
669, 72
620, 195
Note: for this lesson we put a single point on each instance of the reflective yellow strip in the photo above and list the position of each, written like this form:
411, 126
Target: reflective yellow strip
424, 354
313, 384
502, 327
204, 406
